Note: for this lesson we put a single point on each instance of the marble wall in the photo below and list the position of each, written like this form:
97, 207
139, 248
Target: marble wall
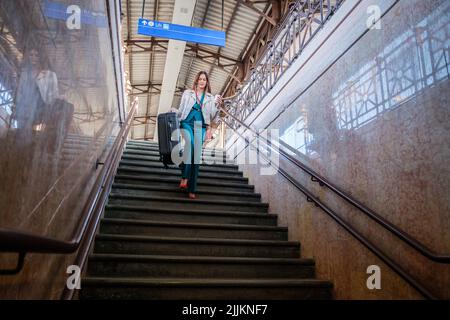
58, 115
377, 125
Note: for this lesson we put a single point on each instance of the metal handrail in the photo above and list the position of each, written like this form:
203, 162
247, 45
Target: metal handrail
402, 235
361, 238
25, 242
357, 235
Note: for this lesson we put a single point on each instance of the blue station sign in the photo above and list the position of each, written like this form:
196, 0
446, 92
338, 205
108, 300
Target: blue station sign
179, 32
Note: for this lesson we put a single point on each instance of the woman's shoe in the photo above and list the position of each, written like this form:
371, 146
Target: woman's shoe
183, 185
192, 195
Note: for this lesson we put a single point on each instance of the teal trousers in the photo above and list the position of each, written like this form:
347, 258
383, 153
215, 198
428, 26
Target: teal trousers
193, 130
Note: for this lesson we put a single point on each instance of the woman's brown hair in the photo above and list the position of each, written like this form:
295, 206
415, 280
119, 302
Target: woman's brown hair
194, 85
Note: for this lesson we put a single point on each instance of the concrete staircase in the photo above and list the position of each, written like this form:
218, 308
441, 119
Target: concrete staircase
155, 243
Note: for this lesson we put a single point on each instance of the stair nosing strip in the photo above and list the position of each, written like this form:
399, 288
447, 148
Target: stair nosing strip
157, 161
229, 165
194, 225
199, 282
149, 151
206, 176
175, 170
211, 161
119, 185
177, 180
155, 147
206, 259
145, 144
237, 242
175, 199
190, 211
159, 165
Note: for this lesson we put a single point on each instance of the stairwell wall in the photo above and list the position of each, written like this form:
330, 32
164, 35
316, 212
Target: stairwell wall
370, 112
50, 147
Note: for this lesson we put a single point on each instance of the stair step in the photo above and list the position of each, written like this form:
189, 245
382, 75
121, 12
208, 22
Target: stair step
176, 171
150, 147
174, 168
195, 230
140, 142
205, 289
207, 159
154, 266
156, 146
183, 215
185, 202
175, 181
143, 147
108, 243
207, 176
174, 191
155, 161
156, 149
155, 152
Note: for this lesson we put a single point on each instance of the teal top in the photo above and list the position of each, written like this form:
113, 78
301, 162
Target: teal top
198, 106
196, 114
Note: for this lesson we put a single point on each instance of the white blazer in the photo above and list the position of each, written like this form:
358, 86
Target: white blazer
47, 83
209, 109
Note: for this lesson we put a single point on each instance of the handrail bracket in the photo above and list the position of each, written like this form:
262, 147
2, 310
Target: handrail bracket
18, 268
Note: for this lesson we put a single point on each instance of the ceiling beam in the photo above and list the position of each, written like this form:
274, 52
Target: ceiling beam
190, 48
203, 55
251, 5
257, 45
228, 88
233, 15
144, 120
152, 85
219, 67
213, 54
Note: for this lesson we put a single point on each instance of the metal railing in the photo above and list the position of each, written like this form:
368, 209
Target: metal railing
302, 23
23, 242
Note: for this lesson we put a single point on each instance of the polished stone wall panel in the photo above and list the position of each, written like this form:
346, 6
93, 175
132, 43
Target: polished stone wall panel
377, 125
